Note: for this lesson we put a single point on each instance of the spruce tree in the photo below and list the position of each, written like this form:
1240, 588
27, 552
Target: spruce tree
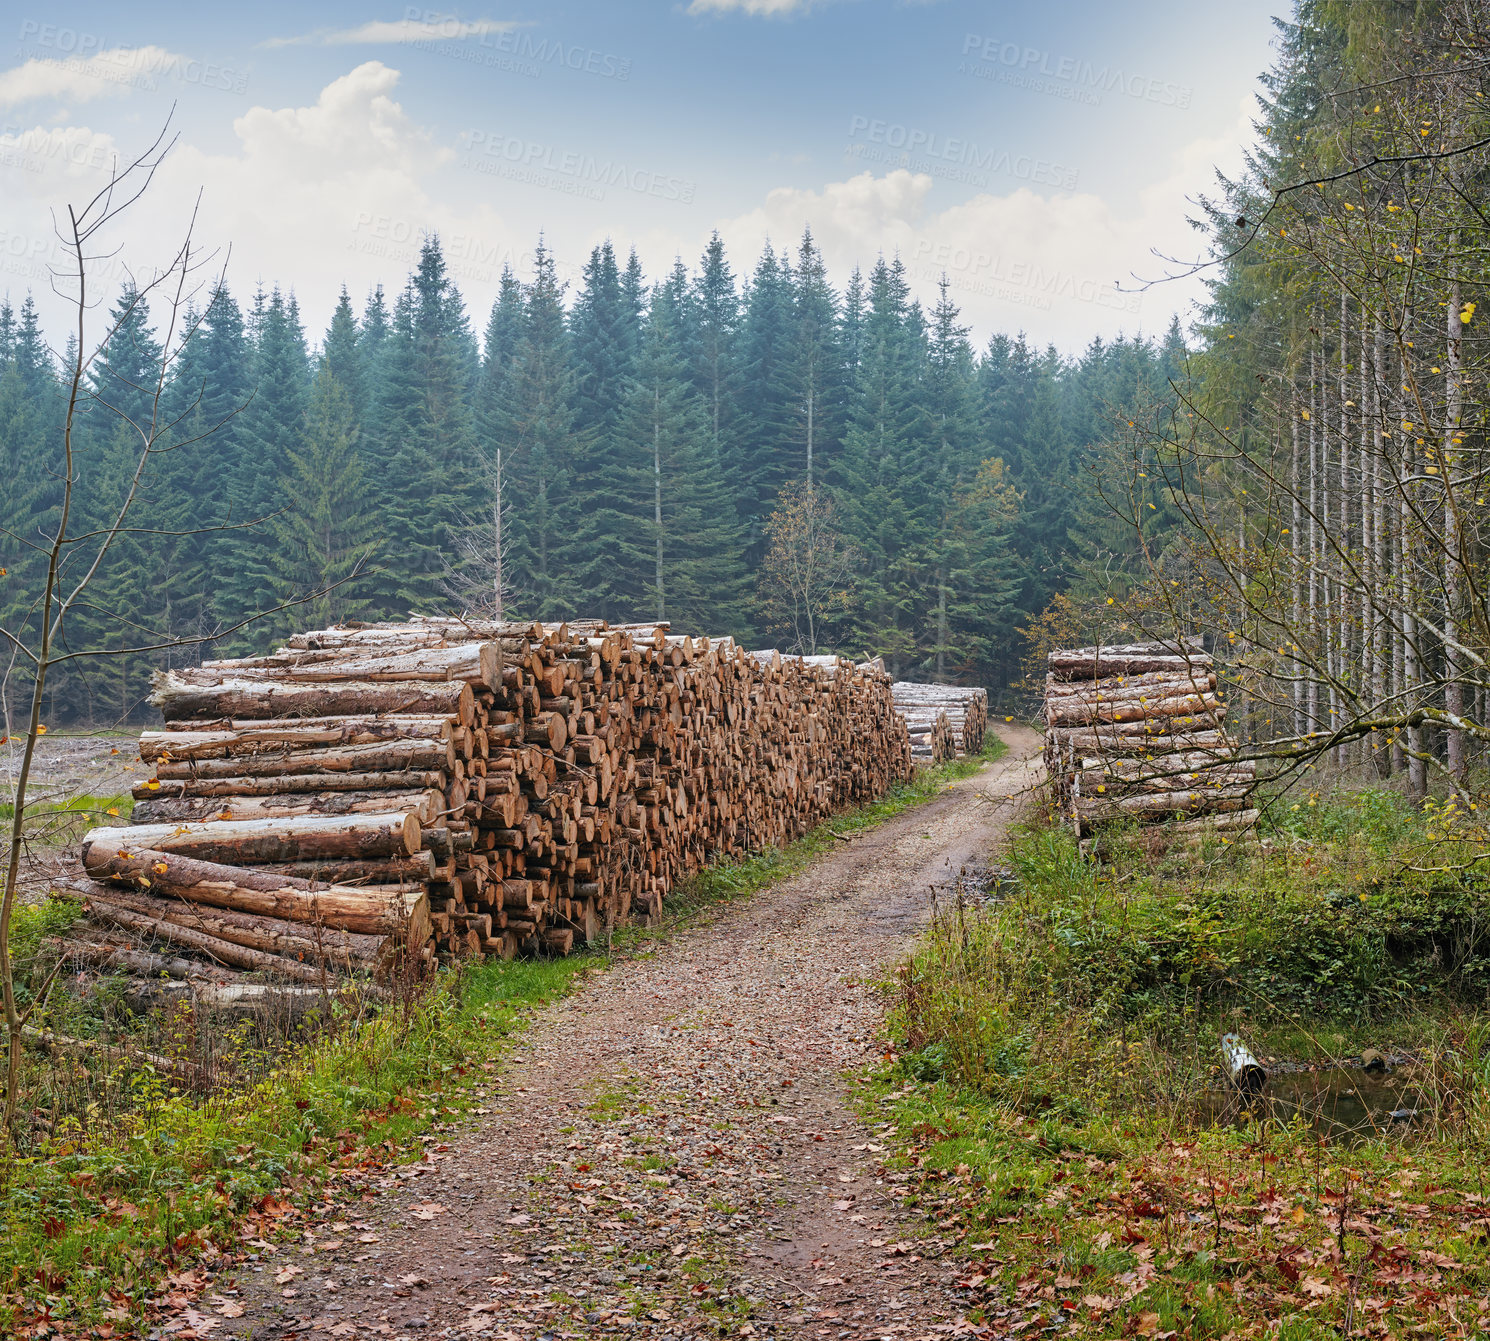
269, 425
713, 338
761, 464
889, 470
814, 370
679, 555
326, 535
540, 443
343, 355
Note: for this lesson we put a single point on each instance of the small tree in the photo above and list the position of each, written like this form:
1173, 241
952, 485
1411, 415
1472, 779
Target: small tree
808, 566
477, 581
81, 606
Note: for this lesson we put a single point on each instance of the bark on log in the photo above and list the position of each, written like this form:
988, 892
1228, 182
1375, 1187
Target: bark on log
384, 756
472, 662
372, 911
274, 785
248, 842
179, 698
270, 934
227, 737
225, 952
427, 805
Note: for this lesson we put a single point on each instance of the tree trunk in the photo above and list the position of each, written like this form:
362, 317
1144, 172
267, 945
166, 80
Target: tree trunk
373, 911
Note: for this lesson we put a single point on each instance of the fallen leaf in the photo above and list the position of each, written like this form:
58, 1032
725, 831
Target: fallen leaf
1315, 1287
427, 1210
227, 1308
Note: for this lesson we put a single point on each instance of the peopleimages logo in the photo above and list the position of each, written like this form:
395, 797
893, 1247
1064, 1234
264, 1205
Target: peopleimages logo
1064, 76
539, 164
994, 275
932, 152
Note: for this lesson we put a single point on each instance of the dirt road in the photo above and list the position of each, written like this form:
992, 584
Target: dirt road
673, 1151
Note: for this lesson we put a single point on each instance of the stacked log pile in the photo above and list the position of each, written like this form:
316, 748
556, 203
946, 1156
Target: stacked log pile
965, 710
470, 788
1138, 730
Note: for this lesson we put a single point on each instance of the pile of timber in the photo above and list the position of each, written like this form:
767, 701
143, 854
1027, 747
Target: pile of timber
452, 788
965, 711
1137, 731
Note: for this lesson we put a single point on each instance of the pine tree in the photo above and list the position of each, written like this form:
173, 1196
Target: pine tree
269, 425
425, 451
540, 445
343, 355
814, 371
679, 556
327, 534
713, 339
889, 470
763, 453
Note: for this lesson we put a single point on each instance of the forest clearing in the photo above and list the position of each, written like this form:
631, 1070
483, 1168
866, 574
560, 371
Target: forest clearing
806, 769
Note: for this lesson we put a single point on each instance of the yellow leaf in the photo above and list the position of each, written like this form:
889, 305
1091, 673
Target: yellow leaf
1305, 413
41, 730
112, 810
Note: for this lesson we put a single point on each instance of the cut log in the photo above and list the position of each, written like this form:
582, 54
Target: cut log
380, 757
428, 806
219, 740
225, 952
270, 934
372, 911
418, 868
474, 662
247, 842
179, 698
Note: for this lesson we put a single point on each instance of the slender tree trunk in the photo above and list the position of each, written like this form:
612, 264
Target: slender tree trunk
1345, 661
941, 627
1314, 620
1295, 550
811, 408
499, 580
1412, 667
1453, 624
657, 495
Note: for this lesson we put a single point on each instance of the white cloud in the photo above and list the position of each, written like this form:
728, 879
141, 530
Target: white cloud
83, 78
437, 29
770, 9
341, 190
1061, 265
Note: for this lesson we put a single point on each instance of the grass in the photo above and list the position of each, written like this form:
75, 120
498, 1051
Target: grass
124, 1178
1055, 1096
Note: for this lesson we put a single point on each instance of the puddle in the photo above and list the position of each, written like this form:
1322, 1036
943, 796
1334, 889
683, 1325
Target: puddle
974, 886
1343, 1103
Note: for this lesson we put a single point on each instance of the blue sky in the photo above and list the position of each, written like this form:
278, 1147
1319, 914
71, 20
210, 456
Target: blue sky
1034, 153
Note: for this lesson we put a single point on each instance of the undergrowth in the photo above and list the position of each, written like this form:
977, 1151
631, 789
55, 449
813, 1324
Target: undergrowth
1057, 1084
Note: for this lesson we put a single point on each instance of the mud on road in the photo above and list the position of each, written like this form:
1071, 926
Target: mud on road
674, 1150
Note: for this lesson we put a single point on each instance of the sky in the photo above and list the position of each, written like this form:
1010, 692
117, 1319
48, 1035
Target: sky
1044, 156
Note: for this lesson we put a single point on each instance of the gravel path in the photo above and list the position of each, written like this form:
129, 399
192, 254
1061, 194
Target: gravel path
673, 1150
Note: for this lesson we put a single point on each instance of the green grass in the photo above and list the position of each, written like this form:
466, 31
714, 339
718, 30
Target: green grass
126, 1177
1056, 1083
54, 824
91, 1220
